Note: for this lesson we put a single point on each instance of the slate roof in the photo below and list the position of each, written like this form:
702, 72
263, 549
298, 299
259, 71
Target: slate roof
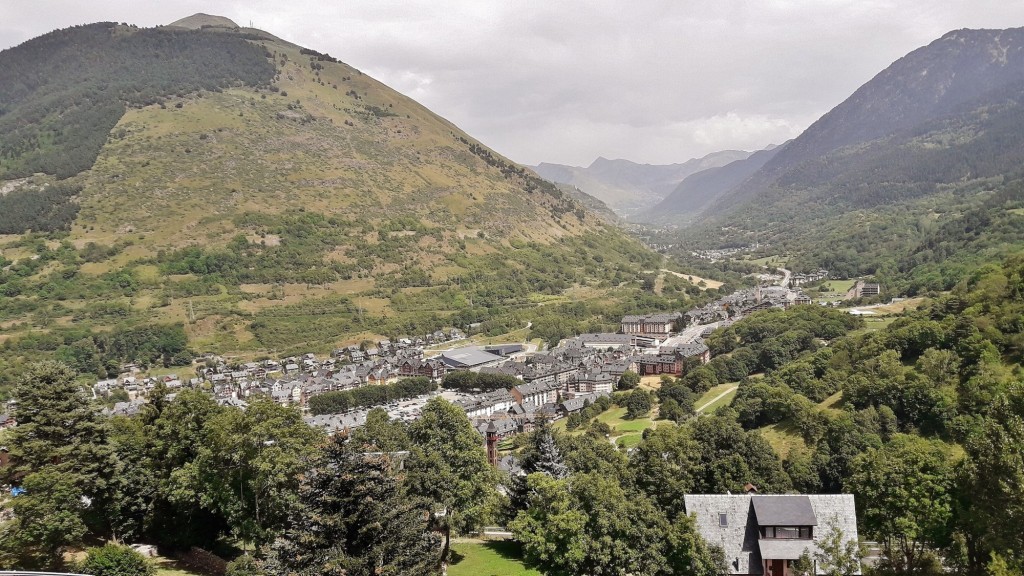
789, 510
739, 538
785, 549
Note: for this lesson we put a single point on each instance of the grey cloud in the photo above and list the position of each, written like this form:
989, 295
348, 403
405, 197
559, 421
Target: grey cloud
656, 81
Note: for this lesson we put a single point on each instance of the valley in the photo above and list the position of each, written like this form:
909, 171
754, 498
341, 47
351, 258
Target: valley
263, 314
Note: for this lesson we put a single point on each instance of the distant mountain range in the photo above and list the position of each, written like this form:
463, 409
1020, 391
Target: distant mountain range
917, 177
700, 190
949, 115
627, 187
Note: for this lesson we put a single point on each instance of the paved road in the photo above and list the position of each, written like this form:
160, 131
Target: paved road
716, 399
785, 277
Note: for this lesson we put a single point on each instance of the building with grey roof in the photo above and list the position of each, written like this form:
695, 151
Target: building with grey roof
469, 359
764, 534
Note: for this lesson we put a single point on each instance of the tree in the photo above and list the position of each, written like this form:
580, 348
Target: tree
804, 565
588, 524
248, 466
176, 436
904, 494
837, 555
990, 483
638, 404
448, 467
59, 429
662, 466
670, 410
628, 380
60, 458
353, 518
48, 520
113, 559
381, 433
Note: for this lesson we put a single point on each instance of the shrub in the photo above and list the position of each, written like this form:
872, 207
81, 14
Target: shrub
115, 560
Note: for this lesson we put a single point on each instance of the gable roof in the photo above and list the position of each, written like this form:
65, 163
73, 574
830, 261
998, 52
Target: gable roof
739, 538
784, 510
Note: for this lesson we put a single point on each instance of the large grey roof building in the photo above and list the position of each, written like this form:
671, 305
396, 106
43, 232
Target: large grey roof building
764, 534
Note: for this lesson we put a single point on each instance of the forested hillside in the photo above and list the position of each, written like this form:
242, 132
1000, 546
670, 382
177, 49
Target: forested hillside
62, 93
930, 146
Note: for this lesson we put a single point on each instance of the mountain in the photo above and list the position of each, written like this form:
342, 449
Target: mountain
269, 198
699, 190
200, 20
628, 187
946, 112
920, 147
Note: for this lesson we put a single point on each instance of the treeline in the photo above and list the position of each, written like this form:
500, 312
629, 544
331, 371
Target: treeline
186, 471
466, 381
767, 340
63, 92
44, 209
102, 353
339, 401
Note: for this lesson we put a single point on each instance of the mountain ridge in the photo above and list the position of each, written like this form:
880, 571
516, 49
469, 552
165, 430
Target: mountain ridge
301, 208
629, 187
947, 78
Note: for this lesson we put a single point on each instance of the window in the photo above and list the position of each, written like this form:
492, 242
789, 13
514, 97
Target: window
781, 532
805, 532
723, 519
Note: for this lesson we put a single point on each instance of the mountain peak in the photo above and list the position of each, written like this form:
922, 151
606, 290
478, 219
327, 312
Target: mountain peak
199, 20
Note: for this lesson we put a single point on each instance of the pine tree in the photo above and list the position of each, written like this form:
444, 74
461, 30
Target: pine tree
549, 459
59, 455
354, 519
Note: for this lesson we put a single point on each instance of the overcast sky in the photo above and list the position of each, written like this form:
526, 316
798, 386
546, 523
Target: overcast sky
568, 81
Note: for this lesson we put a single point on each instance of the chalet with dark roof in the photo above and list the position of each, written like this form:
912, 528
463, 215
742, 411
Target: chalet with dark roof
765, 534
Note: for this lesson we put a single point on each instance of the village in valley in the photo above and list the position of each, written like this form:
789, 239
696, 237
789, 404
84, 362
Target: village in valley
548, 384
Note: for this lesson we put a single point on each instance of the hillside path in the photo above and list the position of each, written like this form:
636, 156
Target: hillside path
716, 399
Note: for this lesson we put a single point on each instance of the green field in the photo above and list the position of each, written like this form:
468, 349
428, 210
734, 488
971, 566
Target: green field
875, 323
488, 559
784, 437
626, 433
769, 261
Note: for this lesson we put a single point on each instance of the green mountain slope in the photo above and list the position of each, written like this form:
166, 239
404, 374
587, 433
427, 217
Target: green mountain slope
280, 201
928, 140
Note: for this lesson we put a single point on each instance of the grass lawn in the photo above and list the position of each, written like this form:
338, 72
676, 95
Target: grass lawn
874, 324
488, 559
721, 402
783, 438
712, 393
626, 433
629, 440
842, 286
168, 567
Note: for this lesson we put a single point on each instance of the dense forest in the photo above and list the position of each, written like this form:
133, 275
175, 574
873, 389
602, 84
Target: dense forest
63, 92
29, 209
